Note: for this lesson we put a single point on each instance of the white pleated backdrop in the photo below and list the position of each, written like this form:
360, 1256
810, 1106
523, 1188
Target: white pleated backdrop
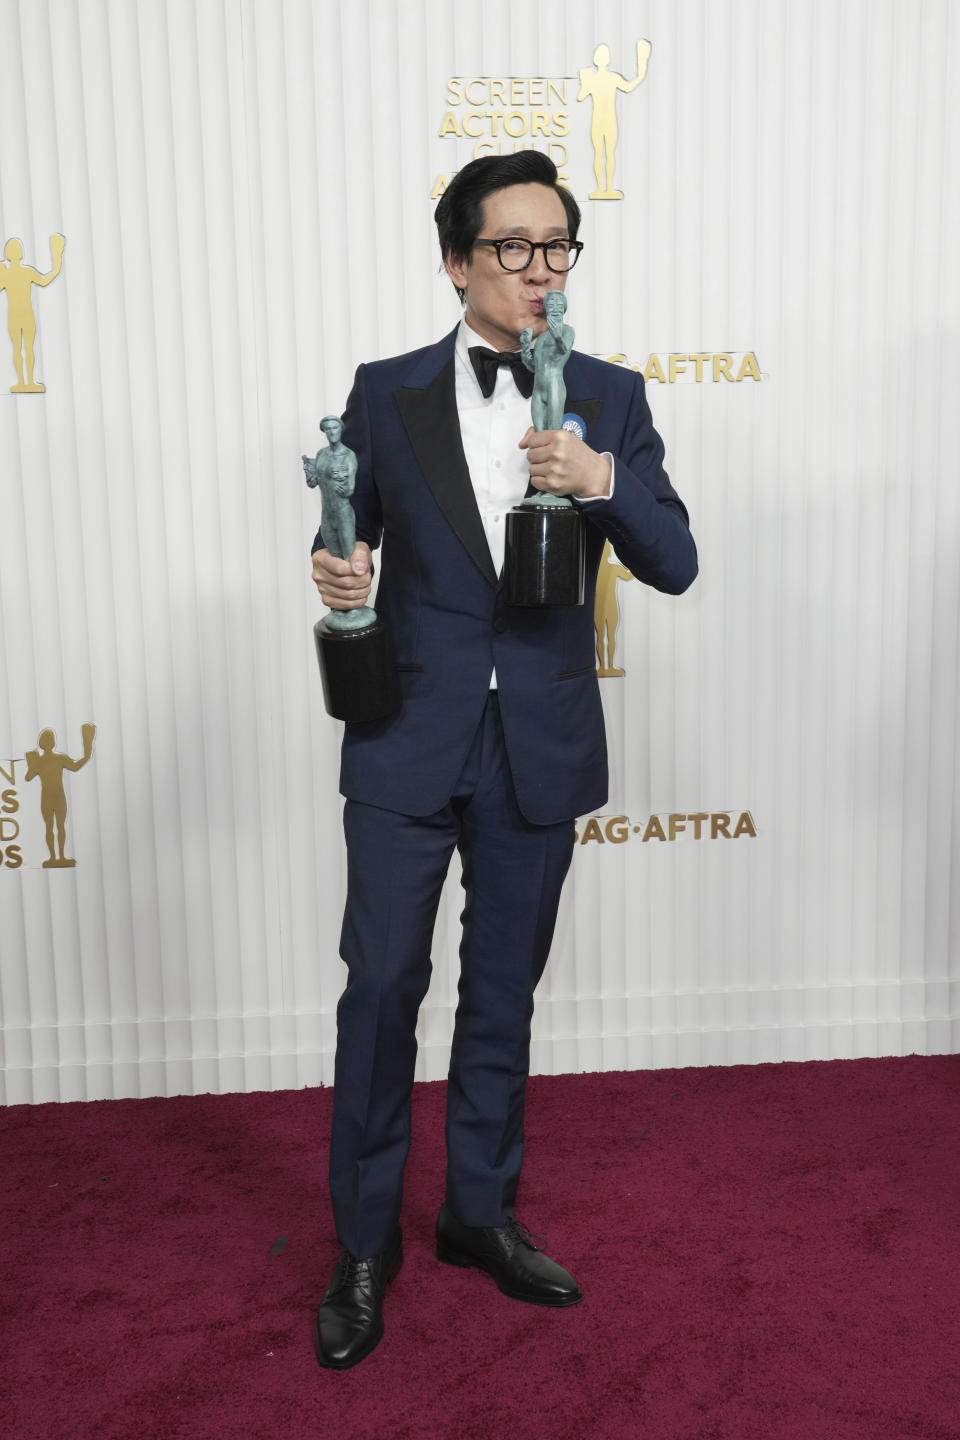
245, 190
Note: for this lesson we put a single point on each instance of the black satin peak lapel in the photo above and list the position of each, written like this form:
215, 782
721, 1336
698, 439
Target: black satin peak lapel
430, 419
588, 410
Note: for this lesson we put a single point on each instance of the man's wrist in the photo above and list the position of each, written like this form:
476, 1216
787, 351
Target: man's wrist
604, 485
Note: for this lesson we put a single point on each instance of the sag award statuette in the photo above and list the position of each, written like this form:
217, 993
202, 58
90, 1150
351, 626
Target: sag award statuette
544, 549
356, 663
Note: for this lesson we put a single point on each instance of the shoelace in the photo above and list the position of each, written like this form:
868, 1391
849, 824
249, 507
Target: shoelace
354, 1272
518, 1231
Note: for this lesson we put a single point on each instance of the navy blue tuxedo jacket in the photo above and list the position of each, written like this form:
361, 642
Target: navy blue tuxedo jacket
445, 607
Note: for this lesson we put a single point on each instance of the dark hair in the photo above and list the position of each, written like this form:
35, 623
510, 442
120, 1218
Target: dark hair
459, 212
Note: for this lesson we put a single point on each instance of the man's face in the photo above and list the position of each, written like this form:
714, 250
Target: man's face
499, 303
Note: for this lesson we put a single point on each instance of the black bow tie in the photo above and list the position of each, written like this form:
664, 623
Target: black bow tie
486, 363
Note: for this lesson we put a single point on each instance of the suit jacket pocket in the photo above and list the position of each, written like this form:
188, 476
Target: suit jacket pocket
412, 680
576, 674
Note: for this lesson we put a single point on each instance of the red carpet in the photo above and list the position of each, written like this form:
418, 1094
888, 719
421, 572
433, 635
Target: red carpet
767, 1253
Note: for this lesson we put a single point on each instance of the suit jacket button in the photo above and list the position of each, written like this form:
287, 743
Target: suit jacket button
499, 624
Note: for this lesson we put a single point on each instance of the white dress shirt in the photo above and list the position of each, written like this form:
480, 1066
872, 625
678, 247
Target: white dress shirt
491, 430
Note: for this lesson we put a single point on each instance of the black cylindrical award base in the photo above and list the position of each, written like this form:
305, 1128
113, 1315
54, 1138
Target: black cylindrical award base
543, 561
359, 675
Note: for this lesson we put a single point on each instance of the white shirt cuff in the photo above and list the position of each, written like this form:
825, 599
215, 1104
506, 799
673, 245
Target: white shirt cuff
592, 499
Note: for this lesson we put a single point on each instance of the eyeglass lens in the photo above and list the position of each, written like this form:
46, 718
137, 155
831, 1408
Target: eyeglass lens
517, 254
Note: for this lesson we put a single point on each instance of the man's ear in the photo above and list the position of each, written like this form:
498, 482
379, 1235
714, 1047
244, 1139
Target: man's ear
458, 270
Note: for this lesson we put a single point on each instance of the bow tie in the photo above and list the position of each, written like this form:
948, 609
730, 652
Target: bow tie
486, 363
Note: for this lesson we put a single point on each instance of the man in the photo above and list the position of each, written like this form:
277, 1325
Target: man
499, 743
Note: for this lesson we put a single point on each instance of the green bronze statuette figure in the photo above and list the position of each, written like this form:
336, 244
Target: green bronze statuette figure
544, 557
334, 472
546, 357
356, 661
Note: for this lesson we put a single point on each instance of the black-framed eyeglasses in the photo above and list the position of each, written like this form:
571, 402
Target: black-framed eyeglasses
515, 253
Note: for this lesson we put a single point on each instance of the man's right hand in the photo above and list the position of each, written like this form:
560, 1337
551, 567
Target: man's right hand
343, 584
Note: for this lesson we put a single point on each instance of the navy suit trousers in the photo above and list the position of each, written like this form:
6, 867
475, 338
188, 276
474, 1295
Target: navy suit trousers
513, 873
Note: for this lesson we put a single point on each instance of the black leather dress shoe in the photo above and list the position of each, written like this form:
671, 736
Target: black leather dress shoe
350, 1320
506, 1252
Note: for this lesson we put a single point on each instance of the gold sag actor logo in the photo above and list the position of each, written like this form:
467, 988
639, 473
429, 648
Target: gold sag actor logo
606, 611
17, 279
721, 365
601, 85
710, 365
701, 825
507, 113
47, 765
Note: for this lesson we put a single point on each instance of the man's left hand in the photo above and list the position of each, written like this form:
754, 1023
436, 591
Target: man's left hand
561, 464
